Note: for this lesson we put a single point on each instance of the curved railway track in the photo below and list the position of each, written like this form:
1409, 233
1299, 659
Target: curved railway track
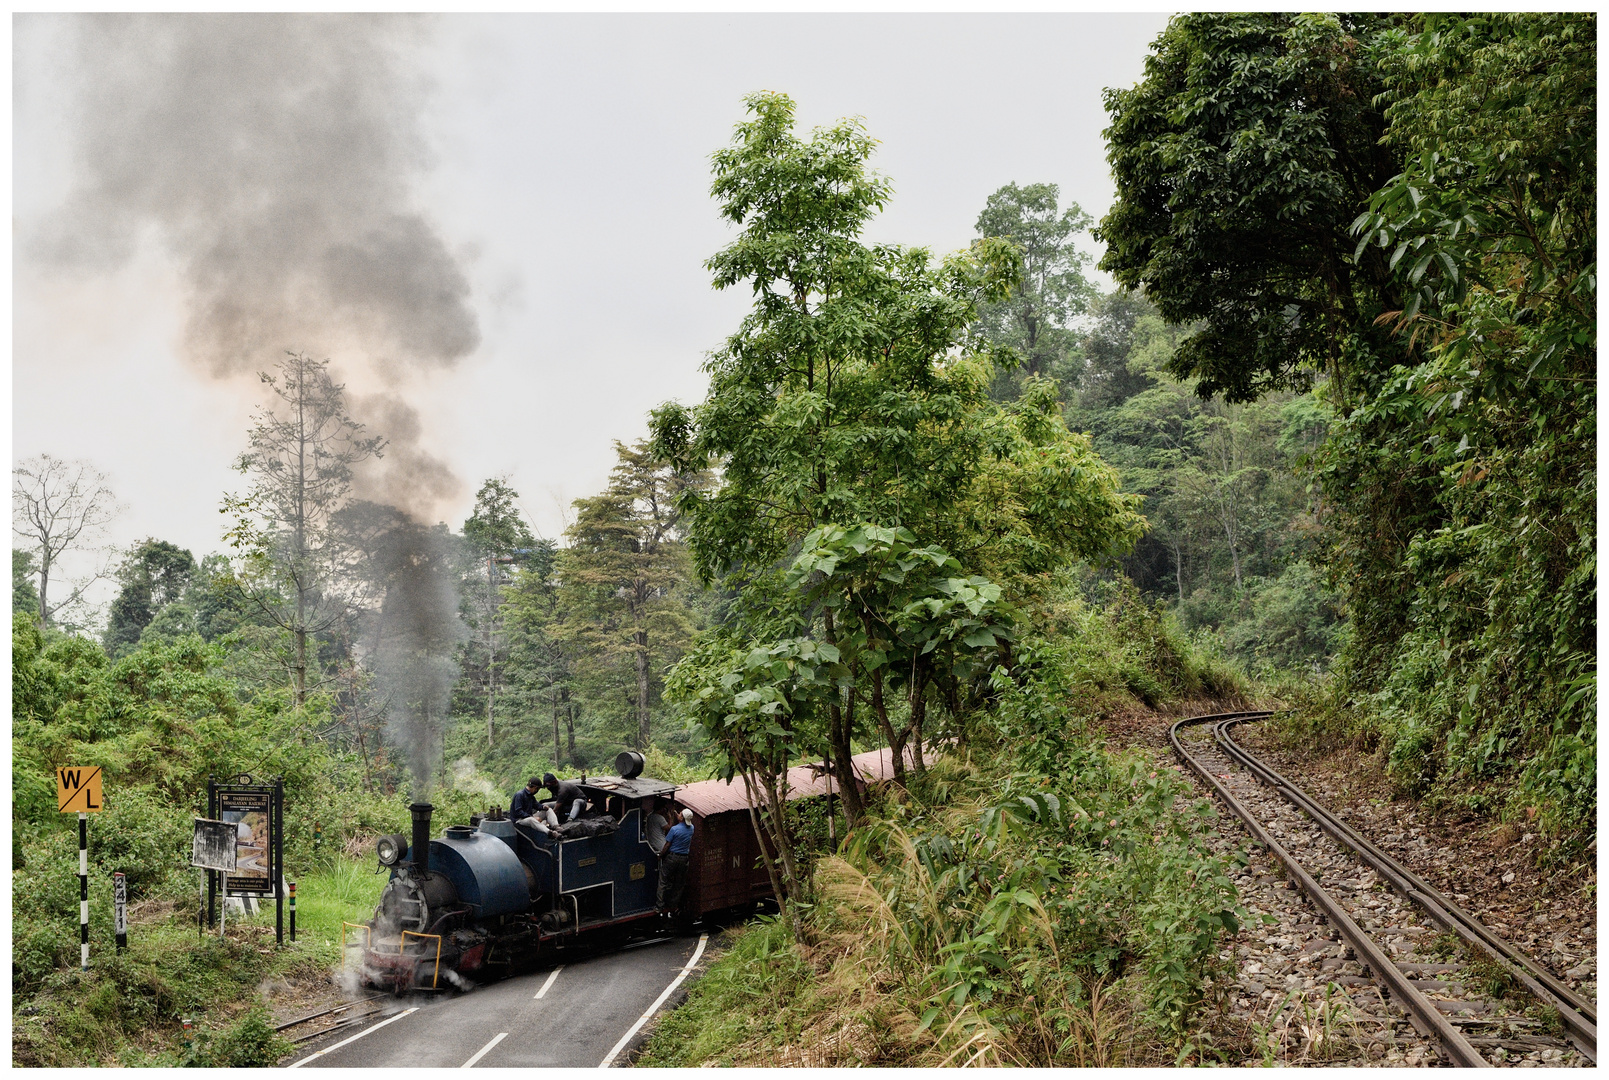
1435, 1003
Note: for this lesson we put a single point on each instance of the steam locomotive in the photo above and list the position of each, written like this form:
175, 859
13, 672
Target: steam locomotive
490, 898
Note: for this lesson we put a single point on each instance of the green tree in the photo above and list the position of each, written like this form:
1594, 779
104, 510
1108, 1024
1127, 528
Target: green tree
497, 536
496, 527
854, 392
303, 445
543, 660
1241, 160
1490, 231
1036, 319
154, 574
624, 577
24, 595
1110, 376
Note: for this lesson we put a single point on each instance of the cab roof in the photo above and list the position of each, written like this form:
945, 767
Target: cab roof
638, 787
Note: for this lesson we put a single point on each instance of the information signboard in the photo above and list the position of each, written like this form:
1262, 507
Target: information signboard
251, 812
256, 813
213, 845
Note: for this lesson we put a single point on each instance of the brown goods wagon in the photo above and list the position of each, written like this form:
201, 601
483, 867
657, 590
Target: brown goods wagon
725, 869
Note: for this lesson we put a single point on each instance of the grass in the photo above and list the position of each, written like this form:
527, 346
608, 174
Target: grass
129, 1009
342, 891
747, 994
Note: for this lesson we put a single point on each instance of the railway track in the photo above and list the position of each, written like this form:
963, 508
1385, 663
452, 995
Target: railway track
355, 1014
1380, 931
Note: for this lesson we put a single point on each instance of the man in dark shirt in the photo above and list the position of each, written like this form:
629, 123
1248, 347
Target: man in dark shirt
524, 804
568, 798
673, 863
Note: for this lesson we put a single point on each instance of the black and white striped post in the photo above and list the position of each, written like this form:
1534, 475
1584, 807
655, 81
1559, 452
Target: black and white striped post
120, 909
83, 889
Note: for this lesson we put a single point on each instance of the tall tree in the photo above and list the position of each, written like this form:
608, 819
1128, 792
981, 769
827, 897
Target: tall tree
831, 402
57, 505
303, 445
497, 535
623, 572
154, 574
540, 655
1241, 160
1037, 318
853, 392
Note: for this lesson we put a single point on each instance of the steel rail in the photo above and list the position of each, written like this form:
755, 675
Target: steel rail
326, 1012
1427, 1018
1578, 1016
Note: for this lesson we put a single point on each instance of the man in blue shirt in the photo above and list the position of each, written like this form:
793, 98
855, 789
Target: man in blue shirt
673, 863
524, 804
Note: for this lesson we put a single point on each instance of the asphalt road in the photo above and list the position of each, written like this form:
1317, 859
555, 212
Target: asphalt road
580, 1017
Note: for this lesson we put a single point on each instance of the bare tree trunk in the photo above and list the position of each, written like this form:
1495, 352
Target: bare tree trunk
363, 752
641, 640
840, 732
44, 587
558, 753
569, 723
787, 888
301, 660
841, 724
1178, 566
896, 740
1226, 516
918, 716
301, 534
765, 852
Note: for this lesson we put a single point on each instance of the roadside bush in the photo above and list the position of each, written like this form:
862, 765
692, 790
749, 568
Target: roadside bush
250, 1042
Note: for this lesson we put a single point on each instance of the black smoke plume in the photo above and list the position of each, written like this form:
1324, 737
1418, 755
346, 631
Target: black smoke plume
414, 632
273, 157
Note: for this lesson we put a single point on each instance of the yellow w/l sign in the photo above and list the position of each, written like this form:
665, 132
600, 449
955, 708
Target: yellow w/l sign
78, 790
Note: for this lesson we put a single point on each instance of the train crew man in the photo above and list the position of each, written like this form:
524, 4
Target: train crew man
524, 804
524, 810
659, 825
566, 797
673, 863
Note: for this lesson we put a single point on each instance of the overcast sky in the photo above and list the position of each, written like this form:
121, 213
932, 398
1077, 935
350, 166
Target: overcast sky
565, 172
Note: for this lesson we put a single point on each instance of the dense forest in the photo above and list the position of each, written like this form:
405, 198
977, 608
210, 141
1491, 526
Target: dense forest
1328, 443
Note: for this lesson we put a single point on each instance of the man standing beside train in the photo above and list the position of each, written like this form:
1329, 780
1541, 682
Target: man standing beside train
673, 863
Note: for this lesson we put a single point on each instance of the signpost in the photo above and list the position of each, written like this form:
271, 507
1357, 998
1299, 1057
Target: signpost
120, 909
256, 814
78, 790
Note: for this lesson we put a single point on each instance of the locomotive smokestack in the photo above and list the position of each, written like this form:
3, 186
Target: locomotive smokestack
421, 836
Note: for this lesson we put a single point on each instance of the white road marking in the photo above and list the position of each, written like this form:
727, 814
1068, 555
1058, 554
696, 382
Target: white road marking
549, 983
660, 1000
353, 1039
482, 1051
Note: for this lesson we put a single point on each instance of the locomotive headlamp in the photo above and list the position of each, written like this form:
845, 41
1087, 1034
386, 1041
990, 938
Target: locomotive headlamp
391, 849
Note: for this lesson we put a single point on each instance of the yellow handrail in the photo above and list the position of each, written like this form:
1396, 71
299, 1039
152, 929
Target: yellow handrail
434, 975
